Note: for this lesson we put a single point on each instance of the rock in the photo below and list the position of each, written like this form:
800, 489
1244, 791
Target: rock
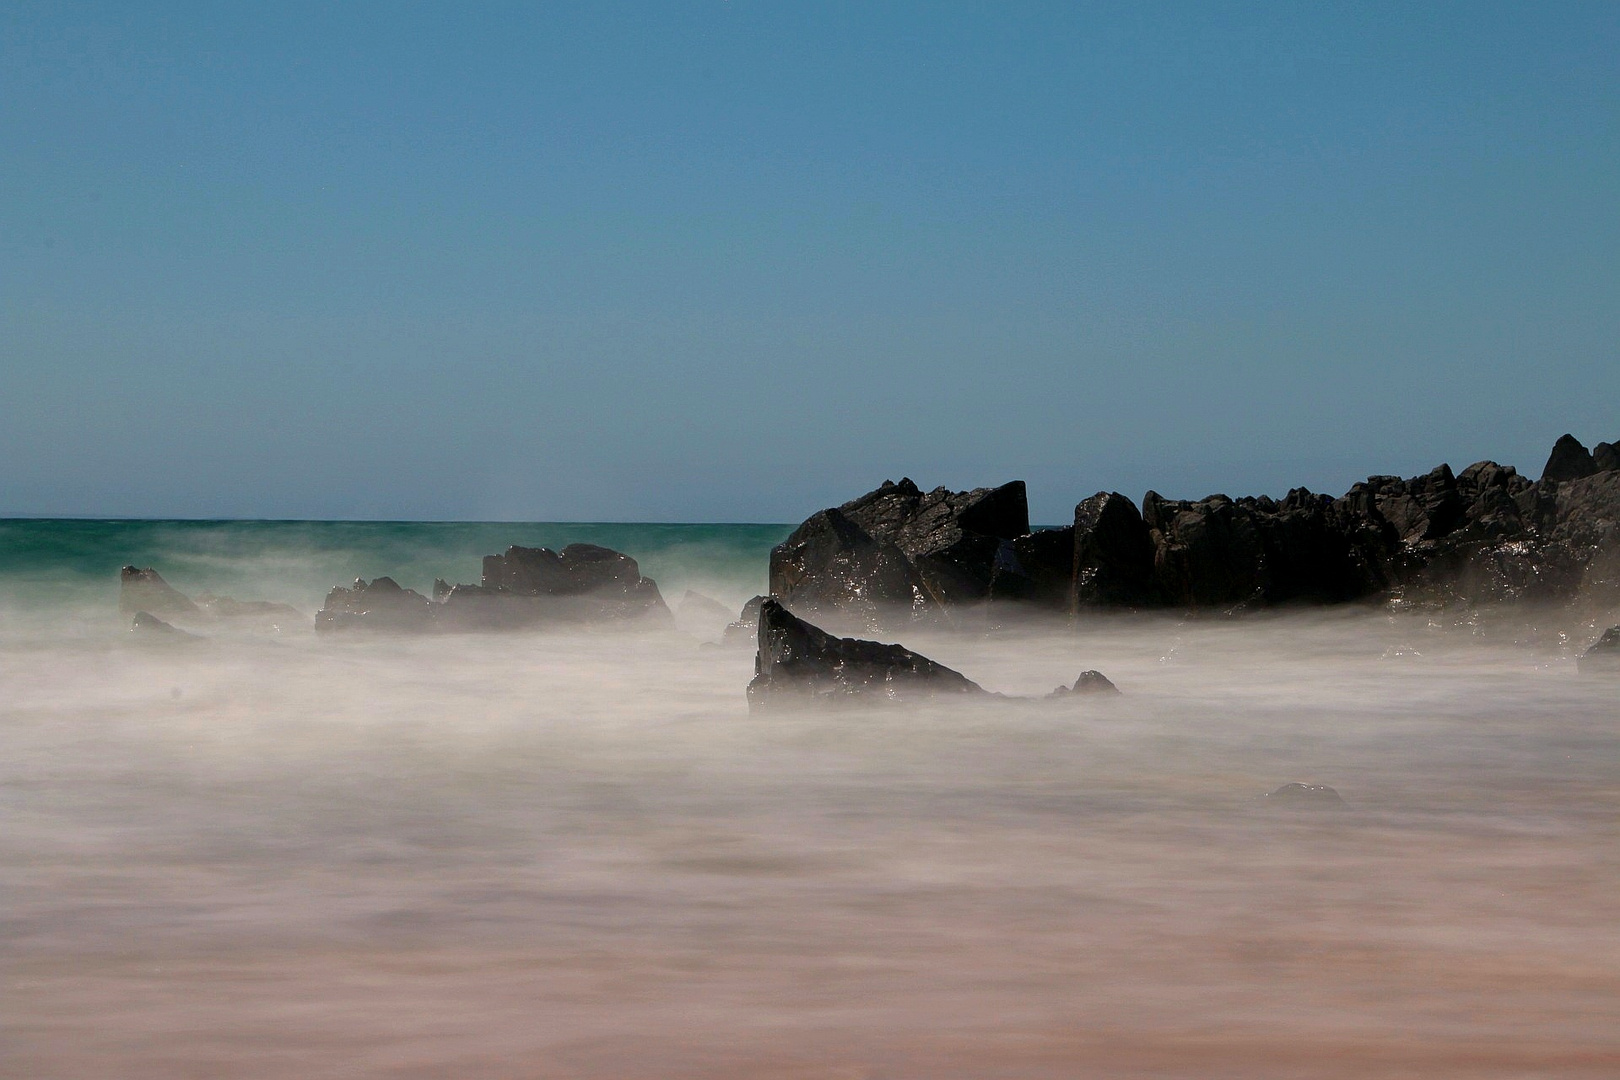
148, 626
1606, 457
801, 664
703, 612
1037, 568
146, 591
376, 605
1089, 682
1604, 655
896, 551
744, 631
1305, 796
1113, 554
1569, 461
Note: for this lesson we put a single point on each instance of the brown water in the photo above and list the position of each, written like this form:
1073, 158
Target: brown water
581, 857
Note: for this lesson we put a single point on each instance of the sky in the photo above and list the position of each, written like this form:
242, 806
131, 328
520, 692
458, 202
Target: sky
736, 261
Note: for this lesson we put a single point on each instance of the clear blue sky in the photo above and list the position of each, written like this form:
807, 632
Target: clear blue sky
737, 261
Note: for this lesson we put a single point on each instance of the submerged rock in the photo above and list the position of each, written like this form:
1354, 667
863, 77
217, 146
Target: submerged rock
1089, 682
701, 613
1305, 796
801, 664
145, 625
146, 591
1604, 655
744, 630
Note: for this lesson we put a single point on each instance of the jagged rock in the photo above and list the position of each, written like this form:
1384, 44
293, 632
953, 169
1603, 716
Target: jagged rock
801, 664
148, 626
146, 591
441, 590
1604, 655
1037, 568
376, 605
1089, 682
897, 548
1606, 457
1305, 796
1569, 461
744, 630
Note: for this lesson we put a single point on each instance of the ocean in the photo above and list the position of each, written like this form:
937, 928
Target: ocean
577, 854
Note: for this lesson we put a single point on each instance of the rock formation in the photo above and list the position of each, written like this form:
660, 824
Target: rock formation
1089, 682
899, 549
1485, 534
801, 664
147, 626
744, 630
1305, 797
146, 591
520, 588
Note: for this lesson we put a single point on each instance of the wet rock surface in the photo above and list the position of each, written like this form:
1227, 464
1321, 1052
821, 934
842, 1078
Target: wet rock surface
744, 630
800, 664
1484, 535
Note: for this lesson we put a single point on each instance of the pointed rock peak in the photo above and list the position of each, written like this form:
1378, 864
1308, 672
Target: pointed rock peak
1570, 460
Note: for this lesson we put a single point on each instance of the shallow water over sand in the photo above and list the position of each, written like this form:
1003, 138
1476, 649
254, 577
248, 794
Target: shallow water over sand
542, 856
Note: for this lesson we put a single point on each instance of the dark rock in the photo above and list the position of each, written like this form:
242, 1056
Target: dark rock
148, 626
801, 664
1089, 682
1305, 796
1569, 461
899, 549
744, 631
376, 605
1606, 457
1037, 568
1113, 554
441, 590
146, 591
1604, 655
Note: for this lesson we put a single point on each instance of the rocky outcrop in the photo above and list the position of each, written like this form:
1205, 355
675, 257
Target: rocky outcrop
1484, 535
379, 604
900, 550
146, 591
1604, 655
799, 664
520, 588
1089, 682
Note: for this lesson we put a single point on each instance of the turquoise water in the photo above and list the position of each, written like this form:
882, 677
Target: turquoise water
44, 562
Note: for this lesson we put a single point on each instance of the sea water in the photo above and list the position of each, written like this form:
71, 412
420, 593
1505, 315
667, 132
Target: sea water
272, 854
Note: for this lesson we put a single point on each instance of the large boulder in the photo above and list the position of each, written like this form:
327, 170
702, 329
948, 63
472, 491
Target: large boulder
1113, 554
800, 664
380, 604
897, 549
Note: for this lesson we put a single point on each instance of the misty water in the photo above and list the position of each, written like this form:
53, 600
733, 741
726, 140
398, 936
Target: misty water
577, 854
